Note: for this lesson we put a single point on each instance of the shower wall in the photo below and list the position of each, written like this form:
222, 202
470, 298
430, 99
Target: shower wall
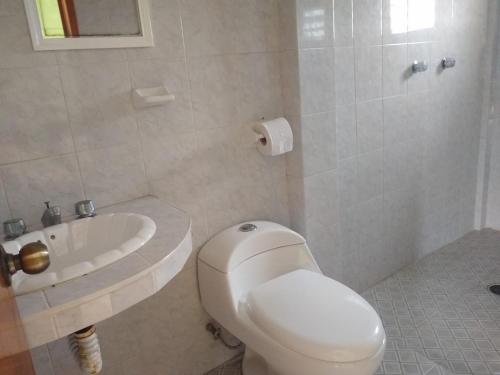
491, 164
385, 166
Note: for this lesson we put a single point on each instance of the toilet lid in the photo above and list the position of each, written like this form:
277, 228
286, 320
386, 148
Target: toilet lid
314, 315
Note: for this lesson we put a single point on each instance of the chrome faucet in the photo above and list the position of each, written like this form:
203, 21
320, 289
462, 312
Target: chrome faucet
51, 215
85, 209
14, 228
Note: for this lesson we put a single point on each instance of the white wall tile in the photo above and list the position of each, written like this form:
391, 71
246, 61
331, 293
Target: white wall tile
368, 22
316, 145
321, 208
368, 73
420, 81
370, 175
396, 127
345, 88
346, 131
347, 173
395, 70
370, 125
343, 14
395, 21
317, 80
420, 27
315, 23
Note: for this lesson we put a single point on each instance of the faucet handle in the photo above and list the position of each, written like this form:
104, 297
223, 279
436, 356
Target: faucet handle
51, 215
85, 208
14, 228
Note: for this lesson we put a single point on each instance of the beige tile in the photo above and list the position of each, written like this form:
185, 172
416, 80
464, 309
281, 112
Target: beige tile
99, 104
220, 27
133, 293
15, 41
171, 266
5, 213
31, 303
81, 316
89, 56
166, 156
259, 87
214, 83
290, 82
35, 122
170, 329
40, 330
42, 361
113, 174
167, 31
85, 286
29, 184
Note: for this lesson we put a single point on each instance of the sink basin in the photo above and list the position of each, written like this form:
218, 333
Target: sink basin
82, 246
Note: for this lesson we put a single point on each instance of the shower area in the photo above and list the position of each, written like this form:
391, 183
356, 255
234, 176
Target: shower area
394, 110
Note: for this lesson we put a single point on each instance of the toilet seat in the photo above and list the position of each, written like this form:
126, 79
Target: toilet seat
316, 316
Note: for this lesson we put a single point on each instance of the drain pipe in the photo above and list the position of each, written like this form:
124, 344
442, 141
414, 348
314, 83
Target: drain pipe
217, 333
88, 350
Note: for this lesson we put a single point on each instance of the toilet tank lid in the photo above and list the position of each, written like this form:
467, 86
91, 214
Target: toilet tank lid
231, 247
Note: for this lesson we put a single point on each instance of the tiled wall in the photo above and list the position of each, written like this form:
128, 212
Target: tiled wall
387, 158
491, 206
68, 131
384, 168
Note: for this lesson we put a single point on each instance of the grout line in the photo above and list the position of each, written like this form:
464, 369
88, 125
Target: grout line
139, 140
71, 130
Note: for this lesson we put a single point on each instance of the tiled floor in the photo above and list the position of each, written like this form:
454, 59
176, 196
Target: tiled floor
231, 367
438, 314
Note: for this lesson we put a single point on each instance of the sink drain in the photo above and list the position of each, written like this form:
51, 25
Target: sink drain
495, 289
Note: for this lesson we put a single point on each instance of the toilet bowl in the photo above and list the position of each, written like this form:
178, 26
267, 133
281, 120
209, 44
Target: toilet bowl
260, 281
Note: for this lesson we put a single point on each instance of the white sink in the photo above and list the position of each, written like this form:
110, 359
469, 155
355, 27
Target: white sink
82, 246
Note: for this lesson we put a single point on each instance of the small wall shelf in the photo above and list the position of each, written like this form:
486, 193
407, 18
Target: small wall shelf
150, 97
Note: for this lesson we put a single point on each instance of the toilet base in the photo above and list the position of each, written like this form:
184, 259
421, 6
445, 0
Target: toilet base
254, 364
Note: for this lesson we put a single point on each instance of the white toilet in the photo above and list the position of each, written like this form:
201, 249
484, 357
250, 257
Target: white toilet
260, 282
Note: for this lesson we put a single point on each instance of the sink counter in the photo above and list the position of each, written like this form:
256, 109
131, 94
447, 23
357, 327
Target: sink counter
55, 312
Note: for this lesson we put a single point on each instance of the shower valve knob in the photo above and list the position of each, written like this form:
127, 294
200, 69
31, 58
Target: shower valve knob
419, 67
448, 62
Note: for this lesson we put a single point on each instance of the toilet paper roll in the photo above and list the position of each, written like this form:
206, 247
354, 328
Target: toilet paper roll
274, 137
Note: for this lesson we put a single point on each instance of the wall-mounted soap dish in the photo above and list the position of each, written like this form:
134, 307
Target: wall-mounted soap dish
153, 96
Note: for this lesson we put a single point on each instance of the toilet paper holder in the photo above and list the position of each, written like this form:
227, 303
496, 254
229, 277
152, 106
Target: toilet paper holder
273, 137
261, 138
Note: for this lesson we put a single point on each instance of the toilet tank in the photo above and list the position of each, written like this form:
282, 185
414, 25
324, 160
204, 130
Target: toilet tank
244, 256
